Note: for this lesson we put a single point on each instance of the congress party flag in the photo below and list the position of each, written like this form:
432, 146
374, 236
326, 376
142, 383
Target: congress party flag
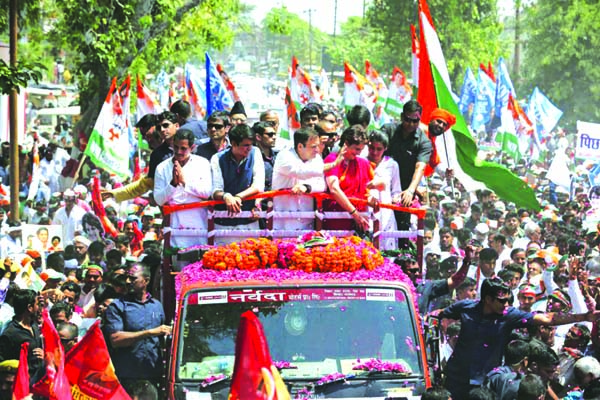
195, 91
292, 120
108, 146
435, 91
217, 96
506, 134
399, 92
147, 102
357, 89
381, 92
302, 88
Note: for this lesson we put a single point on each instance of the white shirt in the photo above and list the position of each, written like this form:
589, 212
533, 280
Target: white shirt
389, 172
198, 187
71, 223
288, 171
258, 172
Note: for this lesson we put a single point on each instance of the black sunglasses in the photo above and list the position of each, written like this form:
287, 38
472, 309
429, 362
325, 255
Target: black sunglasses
412, 120
165, 124
215, 126
503, 300
270, 134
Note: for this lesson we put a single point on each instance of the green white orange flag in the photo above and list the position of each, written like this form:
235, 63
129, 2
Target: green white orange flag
381, 92
435, 91
357, 89
108, 146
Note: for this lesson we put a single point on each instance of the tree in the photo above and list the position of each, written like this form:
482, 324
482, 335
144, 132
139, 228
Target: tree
561, 56
469, 31
108, 38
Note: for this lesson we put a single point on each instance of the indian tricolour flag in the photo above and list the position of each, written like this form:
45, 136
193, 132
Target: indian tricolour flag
435, 91
302, 88
506, 134
108, 146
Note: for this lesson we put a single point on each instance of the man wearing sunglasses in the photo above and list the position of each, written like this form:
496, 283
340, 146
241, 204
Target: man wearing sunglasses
411, 149
486, 326
217, 125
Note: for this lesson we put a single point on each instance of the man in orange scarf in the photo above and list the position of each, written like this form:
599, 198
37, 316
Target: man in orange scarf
440, 121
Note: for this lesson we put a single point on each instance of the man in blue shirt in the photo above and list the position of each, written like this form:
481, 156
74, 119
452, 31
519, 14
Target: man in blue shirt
486, 325
134, 325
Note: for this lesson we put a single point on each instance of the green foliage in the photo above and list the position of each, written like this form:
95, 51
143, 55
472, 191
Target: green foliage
468, 31
359, 42
15, 77
561, 56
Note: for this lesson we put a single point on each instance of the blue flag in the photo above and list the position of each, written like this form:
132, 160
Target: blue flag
217, 96
484, 102
543, 113
468, 92
504, 87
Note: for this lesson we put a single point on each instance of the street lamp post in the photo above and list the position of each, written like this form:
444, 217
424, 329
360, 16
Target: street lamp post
310, 37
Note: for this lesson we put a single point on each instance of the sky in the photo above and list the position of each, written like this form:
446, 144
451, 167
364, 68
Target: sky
322, 10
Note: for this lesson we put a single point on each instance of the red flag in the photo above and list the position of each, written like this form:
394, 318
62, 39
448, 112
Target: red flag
90, 371
254, 376
98, 207
54, 384
21, 388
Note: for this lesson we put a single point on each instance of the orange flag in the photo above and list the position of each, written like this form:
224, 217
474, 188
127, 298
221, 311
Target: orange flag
21, 388
254, 375
90, 371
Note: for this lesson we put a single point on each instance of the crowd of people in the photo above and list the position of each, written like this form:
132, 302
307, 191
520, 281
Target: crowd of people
522, 272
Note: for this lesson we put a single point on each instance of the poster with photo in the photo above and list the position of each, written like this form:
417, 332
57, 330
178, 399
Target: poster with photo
43, 238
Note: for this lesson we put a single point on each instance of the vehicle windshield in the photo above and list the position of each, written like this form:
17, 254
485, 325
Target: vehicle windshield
318, 330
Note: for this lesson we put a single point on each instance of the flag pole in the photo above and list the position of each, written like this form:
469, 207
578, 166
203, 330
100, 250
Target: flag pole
78, 169
448, 166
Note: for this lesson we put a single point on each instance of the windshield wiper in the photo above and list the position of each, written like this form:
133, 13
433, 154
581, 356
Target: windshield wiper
333, 378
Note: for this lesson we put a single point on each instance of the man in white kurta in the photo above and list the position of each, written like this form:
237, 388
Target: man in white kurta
181, 179
300, 169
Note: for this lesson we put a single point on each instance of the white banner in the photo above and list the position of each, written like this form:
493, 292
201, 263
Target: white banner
588, 141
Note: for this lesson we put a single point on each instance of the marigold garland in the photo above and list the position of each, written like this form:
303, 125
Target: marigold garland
333, 255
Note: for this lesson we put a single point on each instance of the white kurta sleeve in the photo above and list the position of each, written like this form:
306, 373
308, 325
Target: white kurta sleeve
198, 178
163, 191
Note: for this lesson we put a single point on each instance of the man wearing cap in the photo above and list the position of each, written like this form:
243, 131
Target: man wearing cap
8, 372
70, 216
237, 115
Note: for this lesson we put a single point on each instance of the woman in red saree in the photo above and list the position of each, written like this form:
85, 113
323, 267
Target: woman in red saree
350, 178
